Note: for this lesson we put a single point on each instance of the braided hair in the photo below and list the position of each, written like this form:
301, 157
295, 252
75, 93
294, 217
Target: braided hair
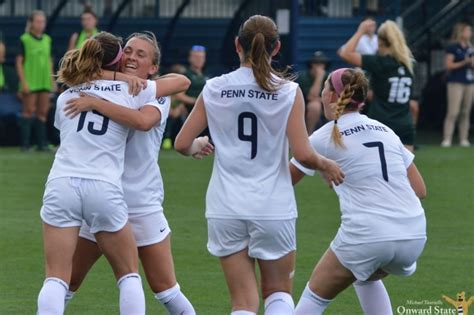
351, 86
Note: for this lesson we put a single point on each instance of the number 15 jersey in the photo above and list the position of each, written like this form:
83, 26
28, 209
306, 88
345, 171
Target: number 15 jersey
93, 146
250, 177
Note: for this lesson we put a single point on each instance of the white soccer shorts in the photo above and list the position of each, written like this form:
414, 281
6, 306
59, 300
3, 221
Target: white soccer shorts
148, 228
394, 257
67, 201
265, 239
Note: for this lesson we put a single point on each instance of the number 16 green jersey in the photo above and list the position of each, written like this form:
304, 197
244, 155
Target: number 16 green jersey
391, 83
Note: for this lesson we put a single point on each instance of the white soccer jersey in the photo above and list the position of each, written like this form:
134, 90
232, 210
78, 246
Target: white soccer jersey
250, 178
93, 146
376, 199
141, 180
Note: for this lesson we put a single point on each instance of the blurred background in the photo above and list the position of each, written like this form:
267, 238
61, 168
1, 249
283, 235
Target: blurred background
306, 27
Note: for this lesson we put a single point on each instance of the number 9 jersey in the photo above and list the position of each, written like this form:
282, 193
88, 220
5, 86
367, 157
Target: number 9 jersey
93, 146
250, 178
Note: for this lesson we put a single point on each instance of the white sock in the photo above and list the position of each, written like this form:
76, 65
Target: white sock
373, 297
68, 297
132, 298
243, 313
51, 297
311, 303
279, 303
175, 301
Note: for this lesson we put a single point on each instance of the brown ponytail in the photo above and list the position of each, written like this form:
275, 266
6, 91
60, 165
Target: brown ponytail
85, 64
354, 93
258, 37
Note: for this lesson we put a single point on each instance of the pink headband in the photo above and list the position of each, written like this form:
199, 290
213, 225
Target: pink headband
117, 57
336, 80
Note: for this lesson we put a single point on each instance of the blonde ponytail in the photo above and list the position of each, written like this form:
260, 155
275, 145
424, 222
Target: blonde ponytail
81, 65
392, 37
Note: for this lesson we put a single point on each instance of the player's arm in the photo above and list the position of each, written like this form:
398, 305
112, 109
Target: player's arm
348, 50
301, 148
296, 174
416, 181
315, 90
143, 119
54, 85
186, 99
168, 84
171, 84
450, 65
186, 142
20, 58
72, 41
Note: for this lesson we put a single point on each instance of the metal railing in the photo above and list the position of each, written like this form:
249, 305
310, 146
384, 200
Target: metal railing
135, 8
349, 8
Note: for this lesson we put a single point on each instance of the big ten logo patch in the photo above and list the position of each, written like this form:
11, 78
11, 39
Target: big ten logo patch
161, 100
460, 303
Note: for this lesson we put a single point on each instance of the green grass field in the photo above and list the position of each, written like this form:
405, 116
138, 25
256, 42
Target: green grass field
446, 267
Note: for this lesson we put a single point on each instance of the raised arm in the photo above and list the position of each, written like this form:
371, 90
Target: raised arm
166, 85
143, 119
171, 84
449, 300
348, 50
416, 181
301, 148
186, 142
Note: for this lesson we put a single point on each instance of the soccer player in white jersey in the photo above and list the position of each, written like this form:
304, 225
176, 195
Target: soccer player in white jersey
383, 226
85, 180
141, 180
253, 113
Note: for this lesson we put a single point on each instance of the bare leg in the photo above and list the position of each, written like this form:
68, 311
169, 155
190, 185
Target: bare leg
277, 284
239, 271
85, 256
59, 246
157, 261
26, 121
120, 250
42, 109
329, 278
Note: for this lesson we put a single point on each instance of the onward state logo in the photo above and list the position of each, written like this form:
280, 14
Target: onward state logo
459, 306
460, 303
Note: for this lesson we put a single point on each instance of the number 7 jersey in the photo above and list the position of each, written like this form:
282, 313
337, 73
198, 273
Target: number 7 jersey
250, 177
93, 146
376, 199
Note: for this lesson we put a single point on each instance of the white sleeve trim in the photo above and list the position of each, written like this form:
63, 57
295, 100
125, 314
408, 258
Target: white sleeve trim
303, 169
408, 157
